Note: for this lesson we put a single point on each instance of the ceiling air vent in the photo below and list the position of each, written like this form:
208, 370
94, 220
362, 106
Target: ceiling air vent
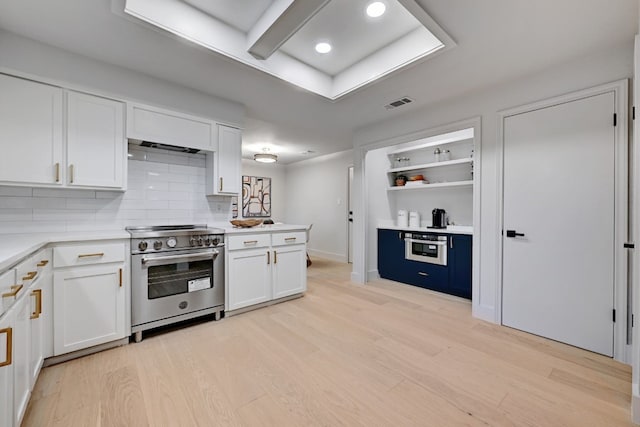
398, 102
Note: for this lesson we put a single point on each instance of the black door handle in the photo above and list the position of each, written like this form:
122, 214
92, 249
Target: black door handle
350, 219
512, 233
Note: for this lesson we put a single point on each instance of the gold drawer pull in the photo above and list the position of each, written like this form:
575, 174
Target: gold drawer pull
30, 275
220, 184
38, 294
275, 257
43, 263
290, 239
14, 291
120, 276
57, 172
268, 257
422, 274
91, 255
250, 242
9, 334
71, 174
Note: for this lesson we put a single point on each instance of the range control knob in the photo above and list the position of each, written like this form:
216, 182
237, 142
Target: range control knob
216, 241
193, 241
157, 245
207, 241
200, 241
172, 242
143, 245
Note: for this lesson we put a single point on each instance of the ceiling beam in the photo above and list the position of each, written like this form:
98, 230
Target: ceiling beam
278, 23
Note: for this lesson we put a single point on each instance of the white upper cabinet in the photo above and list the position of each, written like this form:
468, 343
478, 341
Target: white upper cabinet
31, 130
95, 141
225, 164
146, 123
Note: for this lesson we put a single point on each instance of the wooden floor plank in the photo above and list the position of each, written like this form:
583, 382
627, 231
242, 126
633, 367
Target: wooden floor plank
346, 354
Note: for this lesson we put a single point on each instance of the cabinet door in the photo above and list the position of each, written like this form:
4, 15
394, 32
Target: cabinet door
229, 159
95, 141
21, 344
30, 131
459, 260
36, 348
289, 270
7, 363
249, 277
89, 307
391, 255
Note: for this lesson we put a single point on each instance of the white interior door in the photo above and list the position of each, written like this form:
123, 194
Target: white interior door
559, 192
350, 216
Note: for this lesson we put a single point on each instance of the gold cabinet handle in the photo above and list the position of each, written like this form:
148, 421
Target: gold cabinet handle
451, 242
120, 276
43, 263
70, 174
268, 257
422, 274
250, 242
290, 239
30, 275
14, 291
38, 294
221, 183
91, 255
57, 172
9, 334
275, 257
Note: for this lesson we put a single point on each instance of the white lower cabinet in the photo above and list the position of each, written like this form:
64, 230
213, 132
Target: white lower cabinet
21, 344
89, 307
249, 275
264, 267
7, 327
289, 270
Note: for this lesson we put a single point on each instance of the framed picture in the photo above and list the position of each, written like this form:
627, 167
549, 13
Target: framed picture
256, 197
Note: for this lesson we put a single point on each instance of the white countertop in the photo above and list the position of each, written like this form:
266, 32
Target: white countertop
15, 247
451, 229
269, 228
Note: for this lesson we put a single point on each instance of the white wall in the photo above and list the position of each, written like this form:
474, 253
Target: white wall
163, 188
277, 174
48, 62
612, 64
317, 194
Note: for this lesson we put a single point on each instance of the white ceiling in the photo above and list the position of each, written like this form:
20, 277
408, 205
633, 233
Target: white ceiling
497, 40
240, 14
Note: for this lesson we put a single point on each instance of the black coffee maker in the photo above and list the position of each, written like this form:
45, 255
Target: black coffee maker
439, 218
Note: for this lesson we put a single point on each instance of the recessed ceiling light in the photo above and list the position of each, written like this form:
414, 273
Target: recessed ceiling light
323, 47
376, 9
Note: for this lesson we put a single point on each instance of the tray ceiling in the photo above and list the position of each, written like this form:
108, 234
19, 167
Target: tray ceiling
279, 37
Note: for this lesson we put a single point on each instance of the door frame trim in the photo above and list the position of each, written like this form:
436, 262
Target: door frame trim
620, 88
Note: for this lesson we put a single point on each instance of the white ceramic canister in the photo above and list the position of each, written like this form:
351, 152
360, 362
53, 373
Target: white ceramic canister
403, 219
414, 219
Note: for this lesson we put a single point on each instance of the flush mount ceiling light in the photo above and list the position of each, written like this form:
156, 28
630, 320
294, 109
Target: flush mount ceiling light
376, 9
265, 157
323, 47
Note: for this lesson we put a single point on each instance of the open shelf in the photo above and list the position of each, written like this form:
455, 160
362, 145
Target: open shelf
434, 141
431, 165
435, 185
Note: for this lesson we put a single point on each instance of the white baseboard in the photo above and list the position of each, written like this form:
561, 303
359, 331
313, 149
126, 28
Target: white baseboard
485, 313
373, 275
356, 278
327, 255
635, 403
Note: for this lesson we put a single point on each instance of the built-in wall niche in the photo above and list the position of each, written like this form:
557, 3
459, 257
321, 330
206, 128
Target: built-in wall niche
435, 162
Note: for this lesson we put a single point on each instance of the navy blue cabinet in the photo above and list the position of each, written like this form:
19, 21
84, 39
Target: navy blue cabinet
391, 255
459, 264
453, 279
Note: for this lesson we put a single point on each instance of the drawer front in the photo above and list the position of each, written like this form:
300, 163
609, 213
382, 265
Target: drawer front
88, 254
289, 238
248, 241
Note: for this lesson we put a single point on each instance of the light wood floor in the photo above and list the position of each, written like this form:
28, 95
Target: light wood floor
378, 355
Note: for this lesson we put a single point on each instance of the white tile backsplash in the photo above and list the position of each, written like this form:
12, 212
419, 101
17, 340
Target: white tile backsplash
163, 188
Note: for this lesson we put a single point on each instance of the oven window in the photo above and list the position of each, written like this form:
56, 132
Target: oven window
424, 249
179, 278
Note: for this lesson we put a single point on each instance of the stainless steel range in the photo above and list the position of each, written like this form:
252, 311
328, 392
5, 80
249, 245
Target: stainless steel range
177, 273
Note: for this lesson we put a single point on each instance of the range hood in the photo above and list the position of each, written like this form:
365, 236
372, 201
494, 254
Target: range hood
165, 146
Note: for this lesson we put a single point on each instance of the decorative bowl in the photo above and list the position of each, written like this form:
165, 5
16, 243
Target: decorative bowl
246, 223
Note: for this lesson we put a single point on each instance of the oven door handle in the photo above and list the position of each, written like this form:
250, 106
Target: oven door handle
212, 255
427, 242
